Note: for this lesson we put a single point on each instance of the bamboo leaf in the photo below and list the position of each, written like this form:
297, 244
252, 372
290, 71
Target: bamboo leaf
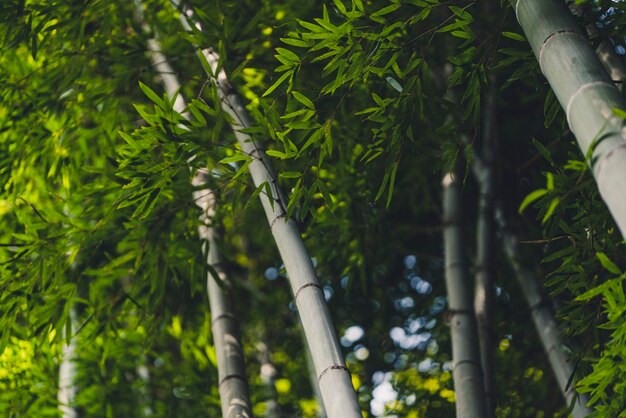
392, 181
303, 99
607, 263
545, 152
619, 112
152, 95
341, 6
551, 208
292, 57
290, 175
382, 187
277, 83
531, 198
234, 158
256, 193
296, 42
514, 36
277, 154
393, 83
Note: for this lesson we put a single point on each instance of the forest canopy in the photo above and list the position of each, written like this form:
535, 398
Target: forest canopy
237, 208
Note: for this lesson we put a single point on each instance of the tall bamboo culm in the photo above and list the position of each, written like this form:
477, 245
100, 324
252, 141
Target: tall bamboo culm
468, 380
67, 373
484, 299
529, 281
585, 92
233, 386
543, 318
333, 377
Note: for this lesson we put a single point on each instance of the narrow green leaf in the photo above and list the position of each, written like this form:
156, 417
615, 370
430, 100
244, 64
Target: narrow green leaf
514, 36
242, 169
303, 99
393, 83
277, 154
549, 181
619, 112
234, 158
383, 185
291, 56
531, 198
152, 95
385, 10
551, 208
607, 263
277, 83
256, 193
340, 6
545, 152
290, 175
392, 181
296, 42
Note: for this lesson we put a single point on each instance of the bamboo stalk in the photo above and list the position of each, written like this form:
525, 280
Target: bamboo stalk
585, 92
484, 298
231, 368
543, 318
268, 377
468, 379
542, 315
317, 395
67, 372
332, 375
233, 386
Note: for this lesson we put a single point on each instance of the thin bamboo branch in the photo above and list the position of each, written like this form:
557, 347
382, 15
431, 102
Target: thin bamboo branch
332, 375
484, 298
585, 92
468, 380
233, 386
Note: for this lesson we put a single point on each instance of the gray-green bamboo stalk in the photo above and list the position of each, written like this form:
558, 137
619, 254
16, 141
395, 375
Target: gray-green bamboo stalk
231, 368
317, 395
585, 91
67, 373
268, 377
484, 298
613, 63
542, 315
333, 377
467, 374
233, 386
543, 318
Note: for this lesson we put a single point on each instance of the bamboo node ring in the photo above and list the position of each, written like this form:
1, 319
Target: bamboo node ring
597, 83
554, 35
223, 316
333, 367
307, 285
230, 376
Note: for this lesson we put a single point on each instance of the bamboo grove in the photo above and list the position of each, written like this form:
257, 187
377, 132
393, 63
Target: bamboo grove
236, 208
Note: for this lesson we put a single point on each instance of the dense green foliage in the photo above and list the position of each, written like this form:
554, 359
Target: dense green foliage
363, 105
